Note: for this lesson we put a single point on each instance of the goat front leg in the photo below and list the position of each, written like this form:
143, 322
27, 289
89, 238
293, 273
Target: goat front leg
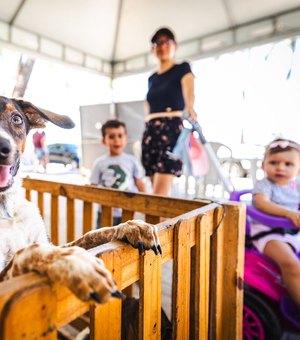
84, 274
138, 233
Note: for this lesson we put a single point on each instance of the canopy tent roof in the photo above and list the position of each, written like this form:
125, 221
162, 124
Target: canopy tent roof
112, 36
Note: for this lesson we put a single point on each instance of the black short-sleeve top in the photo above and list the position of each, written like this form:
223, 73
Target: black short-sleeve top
165, 91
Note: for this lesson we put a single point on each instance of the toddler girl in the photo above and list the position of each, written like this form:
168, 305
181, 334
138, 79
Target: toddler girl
279, 194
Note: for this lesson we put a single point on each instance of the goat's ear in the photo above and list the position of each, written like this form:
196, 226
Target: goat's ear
38, 117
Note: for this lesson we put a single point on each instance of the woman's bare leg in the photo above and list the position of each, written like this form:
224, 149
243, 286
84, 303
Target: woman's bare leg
162, 184
289, 264
152, 180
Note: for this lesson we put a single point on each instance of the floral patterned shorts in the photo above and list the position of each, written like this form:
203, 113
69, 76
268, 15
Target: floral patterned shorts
161, 135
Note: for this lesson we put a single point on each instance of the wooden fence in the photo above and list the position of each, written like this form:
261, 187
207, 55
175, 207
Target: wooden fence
208, 259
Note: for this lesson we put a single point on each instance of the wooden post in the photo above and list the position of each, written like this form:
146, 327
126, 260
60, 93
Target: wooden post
200, 271
28, 194
110, 312
150, 297
70, 220
54, 219
87, 217
127, 215
152, 219
30, 314
41, 203
233, 266
181, 280
227, 274
107, 216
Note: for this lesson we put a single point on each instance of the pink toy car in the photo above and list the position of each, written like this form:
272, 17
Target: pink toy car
268, 310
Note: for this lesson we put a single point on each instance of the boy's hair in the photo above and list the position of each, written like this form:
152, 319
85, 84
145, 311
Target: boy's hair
112, 124
281, 145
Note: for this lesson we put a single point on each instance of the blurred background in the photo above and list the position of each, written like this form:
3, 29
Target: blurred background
91, 60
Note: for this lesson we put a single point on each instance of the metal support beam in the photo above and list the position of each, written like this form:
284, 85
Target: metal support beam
24, 73
253, 33
13, 19
36, 45
264, 30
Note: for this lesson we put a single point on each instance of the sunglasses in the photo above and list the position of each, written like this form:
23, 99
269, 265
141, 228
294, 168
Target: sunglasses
160, 43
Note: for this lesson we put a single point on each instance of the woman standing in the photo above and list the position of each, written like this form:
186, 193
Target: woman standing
170, 92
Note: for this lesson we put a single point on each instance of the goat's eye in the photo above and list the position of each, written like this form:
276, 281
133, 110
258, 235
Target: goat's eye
17, 119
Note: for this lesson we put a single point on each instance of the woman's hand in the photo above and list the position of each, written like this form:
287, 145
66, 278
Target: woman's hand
192, 114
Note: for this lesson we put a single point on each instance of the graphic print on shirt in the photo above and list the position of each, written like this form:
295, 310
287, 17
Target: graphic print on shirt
115, 177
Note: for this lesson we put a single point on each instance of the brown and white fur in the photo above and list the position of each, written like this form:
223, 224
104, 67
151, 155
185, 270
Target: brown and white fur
24, 244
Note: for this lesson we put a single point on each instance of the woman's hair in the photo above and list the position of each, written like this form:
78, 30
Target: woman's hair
281, 145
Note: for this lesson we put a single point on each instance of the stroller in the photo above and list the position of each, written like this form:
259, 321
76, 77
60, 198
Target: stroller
268, 311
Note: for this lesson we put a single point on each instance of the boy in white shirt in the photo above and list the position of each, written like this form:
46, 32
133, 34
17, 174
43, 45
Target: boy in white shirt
116, 169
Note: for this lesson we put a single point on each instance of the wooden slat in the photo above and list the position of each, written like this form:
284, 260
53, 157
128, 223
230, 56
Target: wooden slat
28, 194
107, 216
152, 205
68, 306
127, 215
87, 217
227, 273
70, 220
110, 312
233, 268
181, 280
217, 282
200, 271
41, 203
152, 219
54, 219
30, 315
150, 297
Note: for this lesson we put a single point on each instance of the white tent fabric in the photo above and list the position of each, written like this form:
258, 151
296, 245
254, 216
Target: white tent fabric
100, 33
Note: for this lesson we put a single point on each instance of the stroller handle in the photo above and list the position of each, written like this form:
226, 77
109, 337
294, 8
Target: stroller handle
228, 186
196, 127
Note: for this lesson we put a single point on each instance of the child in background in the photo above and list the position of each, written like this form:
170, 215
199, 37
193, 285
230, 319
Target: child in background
116, 169
279, 194
40, 148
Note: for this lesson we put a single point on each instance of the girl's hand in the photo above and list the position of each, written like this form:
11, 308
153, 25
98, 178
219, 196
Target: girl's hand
294, 216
